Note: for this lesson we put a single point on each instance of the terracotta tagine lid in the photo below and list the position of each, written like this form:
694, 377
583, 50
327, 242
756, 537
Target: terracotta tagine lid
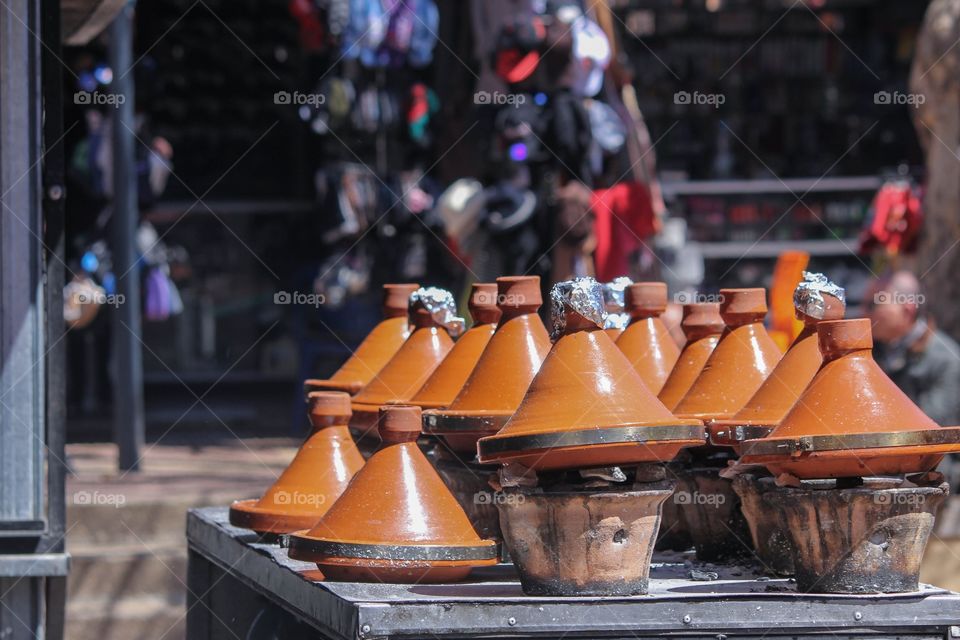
316, 477
741, 361
851, 420
495, 388
815, 299
443, 386
646, 341
702, 326
587, 406
433, 316
614, 299
397, 521
381, 344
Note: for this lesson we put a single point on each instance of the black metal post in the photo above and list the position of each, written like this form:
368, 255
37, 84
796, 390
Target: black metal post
128, 358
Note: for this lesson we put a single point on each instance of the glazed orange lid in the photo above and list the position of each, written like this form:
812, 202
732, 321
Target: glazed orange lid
381, 344
442, 387
739, 364
587, 406
396, 508
316, 477
433, 315
851, 420
702, 326
815, 299
509, 362
646, 341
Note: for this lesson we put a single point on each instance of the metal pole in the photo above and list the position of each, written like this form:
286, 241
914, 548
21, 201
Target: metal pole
128, 429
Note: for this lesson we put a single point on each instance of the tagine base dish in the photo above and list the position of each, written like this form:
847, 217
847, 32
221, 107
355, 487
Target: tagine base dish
852, 455
461, 429
246, 514
594, 447
359, 562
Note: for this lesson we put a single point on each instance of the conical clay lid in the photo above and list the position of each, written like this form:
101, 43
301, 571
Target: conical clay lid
381, 344
587, 406
782, 388
512, 358
702, 326
443, 386
851, 420
739, 364
316, 477
432, 314
646, 341
397, 510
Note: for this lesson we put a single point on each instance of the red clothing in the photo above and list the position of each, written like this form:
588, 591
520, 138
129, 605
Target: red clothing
895, 221
623, 216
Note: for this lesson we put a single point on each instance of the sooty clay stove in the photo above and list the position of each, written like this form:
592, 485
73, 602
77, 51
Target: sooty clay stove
582, 483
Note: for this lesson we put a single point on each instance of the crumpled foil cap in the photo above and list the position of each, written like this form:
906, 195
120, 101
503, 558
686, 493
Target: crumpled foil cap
808, 296
614, 301
441, 306
583, 295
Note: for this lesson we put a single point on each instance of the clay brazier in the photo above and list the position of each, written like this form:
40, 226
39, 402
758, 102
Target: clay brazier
381, 344
396, 521
316, 477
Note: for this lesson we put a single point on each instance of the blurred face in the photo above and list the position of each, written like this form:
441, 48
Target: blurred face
891, 321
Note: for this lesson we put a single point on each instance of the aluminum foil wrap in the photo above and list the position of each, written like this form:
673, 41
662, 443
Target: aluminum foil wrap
583, 295
613, 298
442, 307
808, 296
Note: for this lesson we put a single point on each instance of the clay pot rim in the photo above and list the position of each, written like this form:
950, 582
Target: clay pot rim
422, 404
326, 384
373, 565
935, 439
943, 487
459, 421
247, 515
304, 546
705, 417
623, 453
532, 493
492, 448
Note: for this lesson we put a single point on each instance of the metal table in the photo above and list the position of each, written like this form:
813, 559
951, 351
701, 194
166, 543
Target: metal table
242, 588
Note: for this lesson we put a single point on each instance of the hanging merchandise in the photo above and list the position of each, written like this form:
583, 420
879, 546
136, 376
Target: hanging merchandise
423, 106
518, 49
591, 56
393, 33
623, 219
312, 34
895, 220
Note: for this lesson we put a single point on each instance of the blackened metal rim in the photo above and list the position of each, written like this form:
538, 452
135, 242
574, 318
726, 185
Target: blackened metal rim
441, 423
431, 553
593, 436
846, 442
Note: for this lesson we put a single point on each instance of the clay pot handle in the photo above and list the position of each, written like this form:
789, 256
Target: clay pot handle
701, 319
483, 303
399, 423
840, 337
396, 299
646, 299
742, 306
517, 295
